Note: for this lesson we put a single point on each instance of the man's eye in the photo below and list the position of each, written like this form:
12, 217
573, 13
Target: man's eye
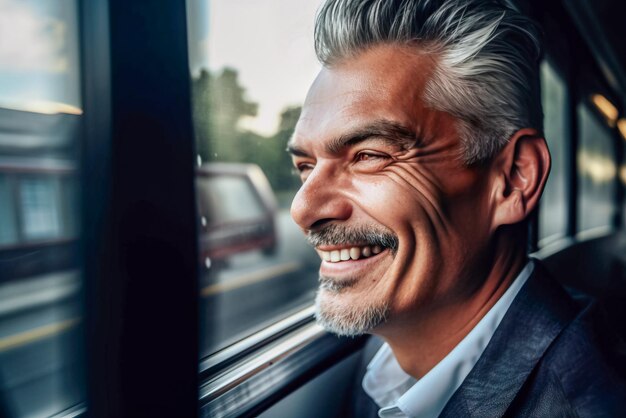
370, 156
304, 167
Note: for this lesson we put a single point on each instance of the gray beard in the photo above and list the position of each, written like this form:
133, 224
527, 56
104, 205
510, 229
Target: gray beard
342, 320
338, 318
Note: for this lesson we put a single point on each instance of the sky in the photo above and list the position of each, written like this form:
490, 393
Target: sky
269, 43
39, 55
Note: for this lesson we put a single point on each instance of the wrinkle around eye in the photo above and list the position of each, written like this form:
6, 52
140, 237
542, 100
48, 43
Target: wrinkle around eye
422, 184
415, 179
409, 155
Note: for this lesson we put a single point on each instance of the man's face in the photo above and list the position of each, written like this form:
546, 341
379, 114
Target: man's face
384, 184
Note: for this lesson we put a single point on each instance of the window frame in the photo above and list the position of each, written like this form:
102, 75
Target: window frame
137, 157
568, 145
611, 134
252, 375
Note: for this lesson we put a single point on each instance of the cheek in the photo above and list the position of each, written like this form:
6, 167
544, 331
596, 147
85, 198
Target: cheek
387, 201
429, 239
408, 208
442, 209
402, 193
467, 205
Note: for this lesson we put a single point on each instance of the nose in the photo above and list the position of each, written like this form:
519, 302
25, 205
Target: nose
320, 200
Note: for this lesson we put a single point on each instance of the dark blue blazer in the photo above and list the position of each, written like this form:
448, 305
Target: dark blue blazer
544, 360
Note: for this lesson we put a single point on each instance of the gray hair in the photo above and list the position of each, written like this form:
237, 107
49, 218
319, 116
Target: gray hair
487, 56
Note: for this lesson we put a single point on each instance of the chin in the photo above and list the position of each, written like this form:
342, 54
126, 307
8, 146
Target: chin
340, 315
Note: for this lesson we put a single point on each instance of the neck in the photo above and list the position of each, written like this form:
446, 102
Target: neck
426, 338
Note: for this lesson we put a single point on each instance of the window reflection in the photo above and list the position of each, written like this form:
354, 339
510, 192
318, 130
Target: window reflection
553, 210
40, 203
8, 227
40, 110
621, 125
596, 172
251, 64
237, 211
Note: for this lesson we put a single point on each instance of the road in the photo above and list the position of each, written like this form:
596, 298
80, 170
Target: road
254, 290
40, 318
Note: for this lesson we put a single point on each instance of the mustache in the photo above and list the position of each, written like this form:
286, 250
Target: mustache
340, 235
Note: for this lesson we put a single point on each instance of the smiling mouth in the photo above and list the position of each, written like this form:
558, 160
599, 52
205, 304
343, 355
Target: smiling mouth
350, 253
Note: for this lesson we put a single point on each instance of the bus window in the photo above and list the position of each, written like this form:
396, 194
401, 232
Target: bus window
69, 204
8, 226
40, 201
553, 210
622, 176
40, 277
251, 63
596, 172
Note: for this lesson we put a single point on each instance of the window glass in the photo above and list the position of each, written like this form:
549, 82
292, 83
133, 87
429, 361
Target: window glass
8, 226
596, 172
553, 209
69, 204
251, 63
40, 201
622, 176
228, 199
40, 280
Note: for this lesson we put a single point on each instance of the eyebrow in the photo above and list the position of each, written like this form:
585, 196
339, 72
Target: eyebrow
392, 133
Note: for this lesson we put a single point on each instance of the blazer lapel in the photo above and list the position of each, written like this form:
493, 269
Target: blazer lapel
540, 311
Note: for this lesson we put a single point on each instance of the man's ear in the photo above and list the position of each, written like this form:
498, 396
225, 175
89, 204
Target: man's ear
519, 173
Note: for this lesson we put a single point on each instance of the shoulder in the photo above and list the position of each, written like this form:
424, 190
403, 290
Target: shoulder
582, 363
576, 375
545, 359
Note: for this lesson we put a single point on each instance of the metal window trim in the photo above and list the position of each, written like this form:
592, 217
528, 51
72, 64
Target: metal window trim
78, 410
235, 353
239, 374
256, 383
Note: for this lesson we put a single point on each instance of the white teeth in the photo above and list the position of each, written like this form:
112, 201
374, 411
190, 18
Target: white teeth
345, 254
353, 253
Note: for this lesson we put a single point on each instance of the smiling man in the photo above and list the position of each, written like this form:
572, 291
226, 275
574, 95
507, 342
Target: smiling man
421, 154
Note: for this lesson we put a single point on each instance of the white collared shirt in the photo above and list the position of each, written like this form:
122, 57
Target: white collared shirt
399, 395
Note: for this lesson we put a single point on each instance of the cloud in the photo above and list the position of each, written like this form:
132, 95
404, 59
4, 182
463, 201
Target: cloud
30, 41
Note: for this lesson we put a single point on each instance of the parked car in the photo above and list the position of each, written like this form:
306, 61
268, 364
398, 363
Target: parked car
237, 209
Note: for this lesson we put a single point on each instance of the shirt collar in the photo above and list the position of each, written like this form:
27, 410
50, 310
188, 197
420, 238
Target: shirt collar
398, 394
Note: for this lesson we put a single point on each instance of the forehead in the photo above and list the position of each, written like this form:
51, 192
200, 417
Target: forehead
382, 83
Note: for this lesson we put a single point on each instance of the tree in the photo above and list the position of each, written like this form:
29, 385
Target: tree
219, 103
